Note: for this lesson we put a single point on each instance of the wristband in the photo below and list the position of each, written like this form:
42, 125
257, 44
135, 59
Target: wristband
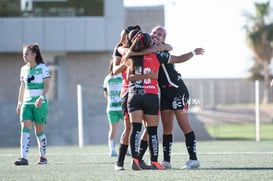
42, 97
193, 53
19, 103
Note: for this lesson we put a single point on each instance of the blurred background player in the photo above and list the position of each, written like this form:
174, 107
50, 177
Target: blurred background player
112, 88
32, 102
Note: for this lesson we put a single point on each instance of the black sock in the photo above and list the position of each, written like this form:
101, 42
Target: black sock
134, 138
142, 149
167, 147
153, 143
121, 156
191, 145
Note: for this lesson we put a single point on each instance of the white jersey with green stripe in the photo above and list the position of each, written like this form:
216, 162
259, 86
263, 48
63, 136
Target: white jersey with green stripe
34, 82
113, 84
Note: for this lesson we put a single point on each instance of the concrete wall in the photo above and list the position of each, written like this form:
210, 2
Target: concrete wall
146, 17
64, 33
212, 92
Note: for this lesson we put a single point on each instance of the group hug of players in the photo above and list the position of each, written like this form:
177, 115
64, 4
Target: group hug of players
142, 85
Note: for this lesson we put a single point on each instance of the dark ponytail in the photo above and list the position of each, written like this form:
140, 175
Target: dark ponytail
131, 37
140, 41
34, 48
130, 28
127, 30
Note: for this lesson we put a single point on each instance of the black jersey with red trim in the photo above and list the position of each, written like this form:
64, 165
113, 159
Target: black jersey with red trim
168, 75
145, 64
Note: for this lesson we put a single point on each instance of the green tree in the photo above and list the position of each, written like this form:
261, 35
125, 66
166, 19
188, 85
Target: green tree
257, 71
260, 38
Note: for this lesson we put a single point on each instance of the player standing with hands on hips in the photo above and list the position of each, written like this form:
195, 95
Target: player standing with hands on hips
32, 102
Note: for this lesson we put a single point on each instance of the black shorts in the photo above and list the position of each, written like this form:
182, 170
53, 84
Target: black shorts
149, 103
124, 100
174, 98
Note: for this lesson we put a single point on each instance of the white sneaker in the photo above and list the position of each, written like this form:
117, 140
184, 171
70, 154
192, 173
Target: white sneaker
166, 164
191, 164
118, 168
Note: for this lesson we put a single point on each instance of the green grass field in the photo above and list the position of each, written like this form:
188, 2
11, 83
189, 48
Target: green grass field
220, 160
240, 131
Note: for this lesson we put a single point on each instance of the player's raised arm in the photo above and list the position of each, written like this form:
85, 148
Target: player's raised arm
186, 56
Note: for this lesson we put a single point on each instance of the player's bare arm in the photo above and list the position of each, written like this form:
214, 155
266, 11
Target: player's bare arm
153, 49
135, 77
20, 97
186, 56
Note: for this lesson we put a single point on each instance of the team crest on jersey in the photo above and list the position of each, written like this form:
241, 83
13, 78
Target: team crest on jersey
38, 71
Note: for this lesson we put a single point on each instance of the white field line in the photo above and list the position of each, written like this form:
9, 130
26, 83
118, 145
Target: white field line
93, 154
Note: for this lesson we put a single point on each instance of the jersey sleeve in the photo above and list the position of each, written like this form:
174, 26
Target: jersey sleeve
46, 73
163, 57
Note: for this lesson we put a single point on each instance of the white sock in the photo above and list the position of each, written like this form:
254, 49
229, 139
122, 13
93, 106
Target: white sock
42, 143
25, 143
111, 144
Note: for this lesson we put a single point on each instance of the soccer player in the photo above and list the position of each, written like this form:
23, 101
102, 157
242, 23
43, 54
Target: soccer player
174, 101
119, 66
32, 102
143, 99
112, 88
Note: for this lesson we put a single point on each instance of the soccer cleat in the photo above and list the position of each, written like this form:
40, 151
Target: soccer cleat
42, 161
113, 153
143, 165
157, 166
21, 161
118, 168
135, 164
166, 164
191, 164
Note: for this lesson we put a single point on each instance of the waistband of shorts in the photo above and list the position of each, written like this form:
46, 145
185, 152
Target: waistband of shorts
137, 92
